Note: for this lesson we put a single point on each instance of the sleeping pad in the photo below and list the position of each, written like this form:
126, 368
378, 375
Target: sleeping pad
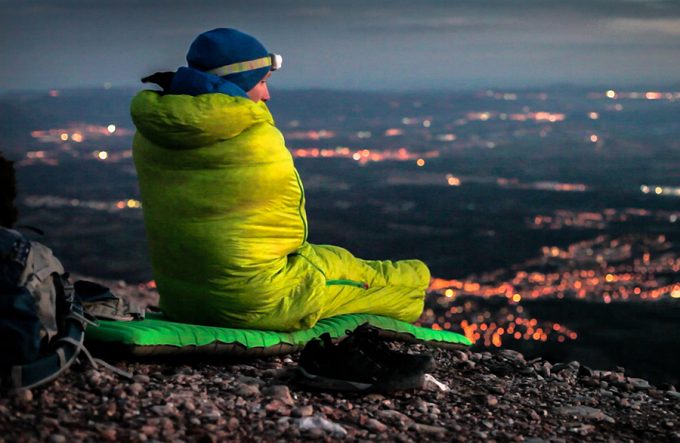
224, 211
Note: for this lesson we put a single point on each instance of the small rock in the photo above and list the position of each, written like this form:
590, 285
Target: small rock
396, 418
94, 377
278, 407
673, 394
164, 410
282, 424
247, 390
590, 382
23, 396
211, 415
460, 356
469, 364
432, 384
491, 400
141, 378
475, 356
109, 434
57, 438
136, 388
585, 412
149, 430
527, 370
574, 365
428, 429
281, 393
583, 429
233, 423
513, 356
374, 425
639, 384
303, 411
559, 367
319, 423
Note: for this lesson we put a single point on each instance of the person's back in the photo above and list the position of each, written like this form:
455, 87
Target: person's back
224, 206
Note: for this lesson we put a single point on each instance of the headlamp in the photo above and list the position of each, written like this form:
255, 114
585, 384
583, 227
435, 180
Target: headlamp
274, 61
277, 61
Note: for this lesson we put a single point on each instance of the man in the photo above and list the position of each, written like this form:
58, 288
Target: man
224, 206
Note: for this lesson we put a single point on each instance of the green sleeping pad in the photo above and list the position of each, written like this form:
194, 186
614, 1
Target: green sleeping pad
157, 336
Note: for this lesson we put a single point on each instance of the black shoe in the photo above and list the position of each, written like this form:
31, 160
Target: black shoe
349, 367
367, 337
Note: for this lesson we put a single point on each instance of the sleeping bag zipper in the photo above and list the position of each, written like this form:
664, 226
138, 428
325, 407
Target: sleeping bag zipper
335, 282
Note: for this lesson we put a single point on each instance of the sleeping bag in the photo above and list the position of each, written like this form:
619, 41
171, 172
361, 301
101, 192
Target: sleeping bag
224, 212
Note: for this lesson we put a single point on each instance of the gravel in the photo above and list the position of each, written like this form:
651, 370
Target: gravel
496, 400
469, 396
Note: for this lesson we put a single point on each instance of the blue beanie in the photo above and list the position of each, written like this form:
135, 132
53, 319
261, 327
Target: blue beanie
224, 46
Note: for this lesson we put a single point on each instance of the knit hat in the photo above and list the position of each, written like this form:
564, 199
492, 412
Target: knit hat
224, 46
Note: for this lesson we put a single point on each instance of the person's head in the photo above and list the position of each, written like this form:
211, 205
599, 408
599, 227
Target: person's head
8, 193
234, 56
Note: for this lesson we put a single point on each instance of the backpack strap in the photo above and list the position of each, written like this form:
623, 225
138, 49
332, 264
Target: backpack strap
64, 352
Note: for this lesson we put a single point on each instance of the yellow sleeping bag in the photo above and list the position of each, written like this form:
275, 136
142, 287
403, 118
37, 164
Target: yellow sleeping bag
224, 210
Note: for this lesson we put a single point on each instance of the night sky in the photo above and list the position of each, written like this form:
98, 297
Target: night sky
352, 44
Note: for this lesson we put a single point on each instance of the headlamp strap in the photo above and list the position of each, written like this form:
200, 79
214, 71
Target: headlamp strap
241, 66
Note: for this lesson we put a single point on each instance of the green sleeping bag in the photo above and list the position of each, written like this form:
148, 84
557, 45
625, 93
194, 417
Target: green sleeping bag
157, 336
224, 210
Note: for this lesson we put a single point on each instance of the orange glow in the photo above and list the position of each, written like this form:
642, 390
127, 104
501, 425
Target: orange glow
453, 181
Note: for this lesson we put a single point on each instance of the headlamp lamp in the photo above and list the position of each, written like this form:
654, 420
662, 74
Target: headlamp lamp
274, 61
277, 61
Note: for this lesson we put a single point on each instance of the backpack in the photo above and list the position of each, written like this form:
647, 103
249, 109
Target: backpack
42, 322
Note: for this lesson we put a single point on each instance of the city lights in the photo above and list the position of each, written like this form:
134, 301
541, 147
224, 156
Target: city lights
452, 181
613, 280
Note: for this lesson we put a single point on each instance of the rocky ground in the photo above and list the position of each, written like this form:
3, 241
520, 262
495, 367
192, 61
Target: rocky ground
470, 396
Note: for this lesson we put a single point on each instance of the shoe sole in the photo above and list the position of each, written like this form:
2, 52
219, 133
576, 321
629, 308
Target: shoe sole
322, 383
